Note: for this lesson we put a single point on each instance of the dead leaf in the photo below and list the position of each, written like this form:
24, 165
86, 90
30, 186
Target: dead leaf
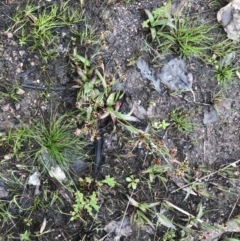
43, 226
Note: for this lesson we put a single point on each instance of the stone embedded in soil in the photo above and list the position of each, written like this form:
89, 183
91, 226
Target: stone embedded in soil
57, 173
213, 234
3, 191
174, 75
229, 17
35, 181
149, 73
221, 109
119, 228
79, 167
210, 116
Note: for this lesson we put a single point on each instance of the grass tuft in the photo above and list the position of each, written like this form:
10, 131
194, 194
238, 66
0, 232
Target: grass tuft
55, 136
180, 121
186, 37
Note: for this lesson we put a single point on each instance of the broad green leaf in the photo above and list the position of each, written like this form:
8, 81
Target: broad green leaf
143, 216
165, 221
134, 185
172, 25
153, 33
81, 58
160, 22
121, 116
102, 79
100, 98
103, 116
89, 112
87, 87
150, 16
111, 99
133, 202
131, 128
128, 179
150, 205
143, 207
200, 211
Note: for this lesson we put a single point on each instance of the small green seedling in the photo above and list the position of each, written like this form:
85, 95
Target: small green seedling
160, 124
55, 137
224, 72
160, 17
170, 235
156, 171
141, 210
132, 182
110, 181
25, 236
87, 203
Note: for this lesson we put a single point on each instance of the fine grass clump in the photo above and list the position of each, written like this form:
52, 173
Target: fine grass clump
186, 37
225, 74
55, 137
180, 121
9, 90
222, 48
37, 26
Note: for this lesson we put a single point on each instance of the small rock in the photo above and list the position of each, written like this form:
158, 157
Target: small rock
119, 228
5, 107
3, 191
175, 76
35, 181
79, 167
57, 173
8, 157
9, 35
20, 91
229, 17
148, 73
210, 116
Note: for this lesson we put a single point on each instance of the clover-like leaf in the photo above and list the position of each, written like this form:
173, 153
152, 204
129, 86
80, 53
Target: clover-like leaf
110, 181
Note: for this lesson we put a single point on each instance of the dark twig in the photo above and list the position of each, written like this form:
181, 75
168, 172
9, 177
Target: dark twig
97, 159
41, 88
